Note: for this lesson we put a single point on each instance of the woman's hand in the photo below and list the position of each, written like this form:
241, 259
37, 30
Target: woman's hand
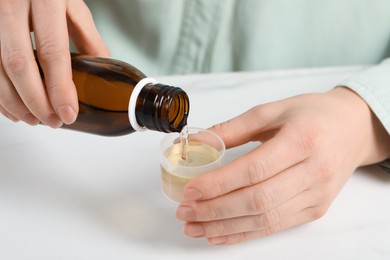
311, 145
23, 94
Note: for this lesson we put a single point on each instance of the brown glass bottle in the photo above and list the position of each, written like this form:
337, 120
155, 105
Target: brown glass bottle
105, 87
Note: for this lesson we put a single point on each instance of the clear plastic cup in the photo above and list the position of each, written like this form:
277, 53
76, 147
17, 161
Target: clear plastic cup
205, 152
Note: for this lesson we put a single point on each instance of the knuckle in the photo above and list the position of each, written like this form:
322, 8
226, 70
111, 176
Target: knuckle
14, 60
308, 137
223, 130
269, 218
213, 213
31, 102
219, 126
305, 143
50, 51
263, 114
256, 171
236, 238
325, 171
52, 87
241, 237
220, 227
261, 201
221, 185
260, 111
317, 212
272, 229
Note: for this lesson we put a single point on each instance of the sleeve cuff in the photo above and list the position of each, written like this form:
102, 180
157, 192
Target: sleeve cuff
373, 86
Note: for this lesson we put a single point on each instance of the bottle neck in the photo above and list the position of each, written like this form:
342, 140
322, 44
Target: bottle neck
161, 108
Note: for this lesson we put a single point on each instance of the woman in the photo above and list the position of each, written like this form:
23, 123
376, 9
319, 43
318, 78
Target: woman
311, 143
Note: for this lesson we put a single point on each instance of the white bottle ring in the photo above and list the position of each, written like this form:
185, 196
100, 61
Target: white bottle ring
133, 101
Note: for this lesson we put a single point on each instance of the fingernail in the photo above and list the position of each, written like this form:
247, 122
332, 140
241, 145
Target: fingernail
185, 213
217, 240
192, 194
30, 119
194, 230
53, 121
67, 114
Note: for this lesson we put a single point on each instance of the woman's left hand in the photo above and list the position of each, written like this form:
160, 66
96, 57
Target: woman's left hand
311, 145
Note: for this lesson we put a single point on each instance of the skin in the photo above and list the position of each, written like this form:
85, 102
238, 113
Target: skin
311, 145
23, 94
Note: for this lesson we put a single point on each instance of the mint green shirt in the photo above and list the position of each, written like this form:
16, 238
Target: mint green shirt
194, 36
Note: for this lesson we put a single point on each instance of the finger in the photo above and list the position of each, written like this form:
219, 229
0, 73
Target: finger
302, 217
8, 115
51, 36
11, 104
256, 222
19, 65
284, 150
83, 31
253, 200
243, 128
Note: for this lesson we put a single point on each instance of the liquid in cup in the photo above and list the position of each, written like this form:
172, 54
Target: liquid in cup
205, 151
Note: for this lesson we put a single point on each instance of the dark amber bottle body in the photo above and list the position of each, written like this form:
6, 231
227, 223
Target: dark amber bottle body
105, 88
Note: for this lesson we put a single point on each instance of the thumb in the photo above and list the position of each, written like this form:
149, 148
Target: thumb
246, 127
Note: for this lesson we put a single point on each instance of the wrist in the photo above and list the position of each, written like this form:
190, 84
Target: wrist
374, 139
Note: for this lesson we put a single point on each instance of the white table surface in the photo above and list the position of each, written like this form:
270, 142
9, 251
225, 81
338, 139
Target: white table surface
68, 195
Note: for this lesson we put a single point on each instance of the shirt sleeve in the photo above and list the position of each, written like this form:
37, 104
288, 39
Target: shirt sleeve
373, 85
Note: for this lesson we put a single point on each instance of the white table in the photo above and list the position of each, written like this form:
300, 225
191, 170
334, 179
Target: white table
68, 195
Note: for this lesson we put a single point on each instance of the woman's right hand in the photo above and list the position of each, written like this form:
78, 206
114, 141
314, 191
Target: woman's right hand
23, 94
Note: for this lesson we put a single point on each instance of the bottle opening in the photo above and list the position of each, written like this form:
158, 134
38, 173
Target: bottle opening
162, 108
178, 112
